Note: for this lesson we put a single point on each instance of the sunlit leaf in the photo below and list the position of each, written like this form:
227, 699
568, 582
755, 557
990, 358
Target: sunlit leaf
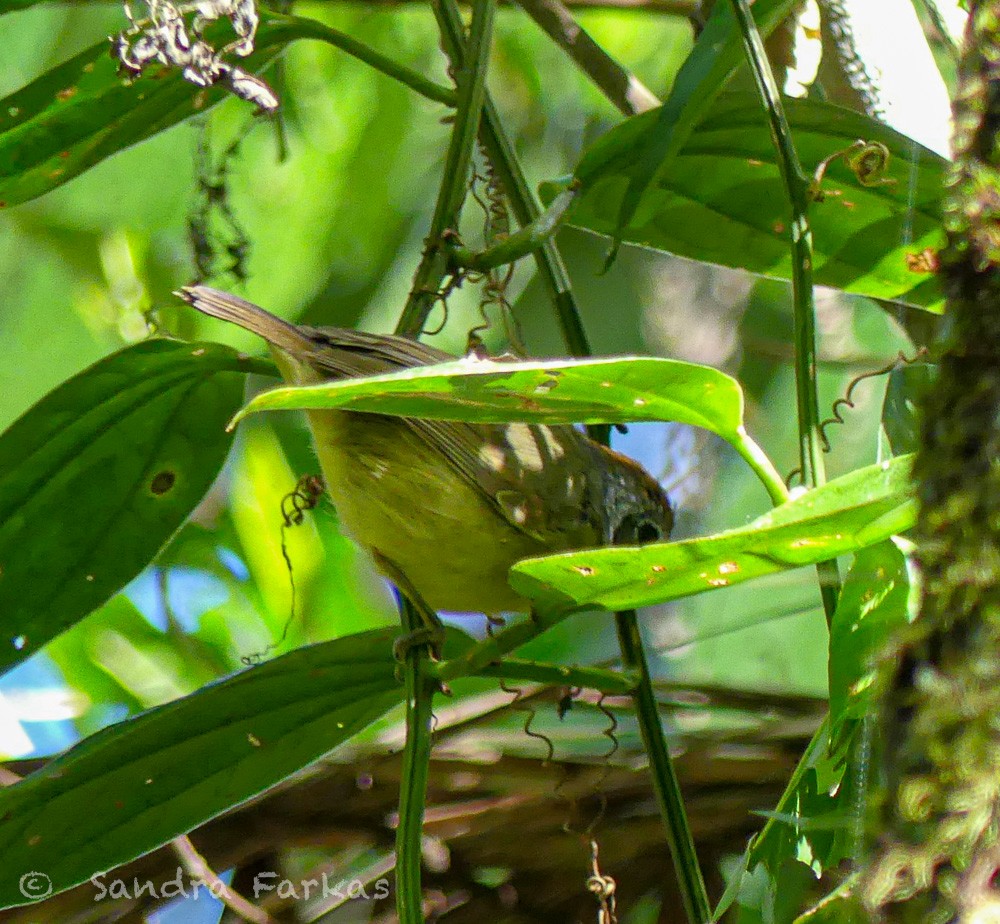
713, 60
722, 200
848, 514
96, 477
134, 786
555, 391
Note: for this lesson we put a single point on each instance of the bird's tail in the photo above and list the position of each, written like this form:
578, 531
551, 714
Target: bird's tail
246, 314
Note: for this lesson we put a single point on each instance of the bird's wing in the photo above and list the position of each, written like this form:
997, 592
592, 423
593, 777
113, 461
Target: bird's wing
534, 476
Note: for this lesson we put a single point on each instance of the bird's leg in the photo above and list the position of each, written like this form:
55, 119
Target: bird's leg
431, 633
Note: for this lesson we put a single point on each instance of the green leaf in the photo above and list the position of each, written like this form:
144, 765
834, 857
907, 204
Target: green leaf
900, 410
96, 478
557, 391
874, 603
136, 785
11, 6
848, 514
713, 60
722, 201
81, 112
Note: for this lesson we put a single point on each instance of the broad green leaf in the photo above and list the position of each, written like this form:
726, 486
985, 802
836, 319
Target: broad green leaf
591, 391
900, 410
11, 6
96, 478
873, 604
557, 391
722, 200
80, 112
713, 60
848, 514
134, 786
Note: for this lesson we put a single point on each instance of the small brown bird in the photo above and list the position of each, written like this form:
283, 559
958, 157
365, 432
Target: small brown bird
447, 508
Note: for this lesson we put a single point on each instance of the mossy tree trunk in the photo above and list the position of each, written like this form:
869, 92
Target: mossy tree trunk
937, 855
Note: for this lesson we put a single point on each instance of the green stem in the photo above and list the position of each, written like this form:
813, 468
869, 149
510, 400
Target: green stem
302, 27
420, 689
797, 189
666, 784
256, 365
486, 652
521, 243
614, 683
551, 268
470, 75
763, 467
554, 275
420, 683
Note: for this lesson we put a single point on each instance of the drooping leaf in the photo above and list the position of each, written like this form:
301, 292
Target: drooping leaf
557, 391
134, 786
722, 200
873, 604
845, 515
713, 60
96, 478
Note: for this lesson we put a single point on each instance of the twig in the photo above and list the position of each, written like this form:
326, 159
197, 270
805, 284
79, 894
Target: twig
304, 27
797, 186
665, 783
521, 243
470, 75
616, 82
198, 869
414, 772
551, 268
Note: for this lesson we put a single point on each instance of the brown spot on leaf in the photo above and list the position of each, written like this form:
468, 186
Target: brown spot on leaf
66, 94
162, 482
924, 262
584, 570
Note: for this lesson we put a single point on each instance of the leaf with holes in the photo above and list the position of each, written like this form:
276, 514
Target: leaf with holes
96, 478
722, 201
845, 515
134, 786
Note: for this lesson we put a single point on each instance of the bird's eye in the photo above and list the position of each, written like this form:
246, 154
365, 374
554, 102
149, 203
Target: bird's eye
633, 531
647, 531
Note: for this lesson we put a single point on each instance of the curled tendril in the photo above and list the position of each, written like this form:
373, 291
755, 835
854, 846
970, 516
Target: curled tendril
304, 496
847, 402
611, 733
487, 190
603, 888
867, 160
